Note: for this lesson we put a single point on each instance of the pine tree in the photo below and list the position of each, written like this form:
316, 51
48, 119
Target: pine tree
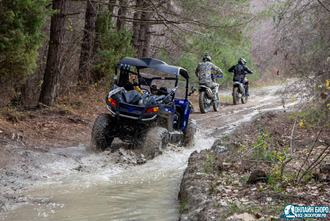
20, 36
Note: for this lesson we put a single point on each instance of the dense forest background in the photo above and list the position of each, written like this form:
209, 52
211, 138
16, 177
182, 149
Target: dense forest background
50, 50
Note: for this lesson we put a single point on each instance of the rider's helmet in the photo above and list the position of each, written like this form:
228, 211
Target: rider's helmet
153, 87
207, 57
163, 89
242, 61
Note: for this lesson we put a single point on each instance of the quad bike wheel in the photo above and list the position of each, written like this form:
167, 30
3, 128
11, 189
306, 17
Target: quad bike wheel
156, 141
204, 102
216, 104
101, 133
235, 96
189, 133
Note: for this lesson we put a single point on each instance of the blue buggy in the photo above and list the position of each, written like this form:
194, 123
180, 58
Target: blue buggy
148, 106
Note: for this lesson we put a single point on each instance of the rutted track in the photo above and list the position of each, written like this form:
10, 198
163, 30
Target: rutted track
71, 183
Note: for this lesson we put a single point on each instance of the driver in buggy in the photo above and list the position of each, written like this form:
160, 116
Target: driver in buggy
163, 91
155, 91
160, 91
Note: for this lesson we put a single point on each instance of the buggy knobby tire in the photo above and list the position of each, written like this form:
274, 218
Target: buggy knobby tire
189, 133
102, 132
156, 141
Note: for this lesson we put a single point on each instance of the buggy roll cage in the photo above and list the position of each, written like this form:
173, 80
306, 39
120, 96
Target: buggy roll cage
125, 64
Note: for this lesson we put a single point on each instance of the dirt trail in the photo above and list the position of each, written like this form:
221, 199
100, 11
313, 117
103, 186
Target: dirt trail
223, 122
32, 166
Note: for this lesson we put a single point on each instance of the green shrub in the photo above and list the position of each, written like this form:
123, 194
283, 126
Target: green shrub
20, 36
111, 46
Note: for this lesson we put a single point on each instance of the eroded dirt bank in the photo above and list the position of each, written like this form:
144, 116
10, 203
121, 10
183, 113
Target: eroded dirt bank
248, 173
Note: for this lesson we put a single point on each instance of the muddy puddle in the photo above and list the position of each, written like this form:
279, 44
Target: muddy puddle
139, 199
140, 192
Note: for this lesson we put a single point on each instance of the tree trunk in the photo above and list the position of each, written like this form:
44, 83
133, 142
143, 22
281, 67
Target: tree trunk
146, 47
122, 12
51, 82
137, 25
87, 46
111, 6
144, 36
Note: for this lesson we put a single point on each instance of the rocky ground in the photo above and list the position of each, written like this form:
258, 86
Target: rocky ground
254, 138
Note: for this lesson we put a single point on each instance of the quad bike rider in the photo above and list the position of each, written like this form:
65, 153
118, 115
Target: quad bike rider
151, 119
208, 89
241, 83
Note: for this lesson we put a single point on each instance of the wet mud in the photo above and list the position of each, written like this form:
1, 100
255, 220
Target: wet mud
56, 183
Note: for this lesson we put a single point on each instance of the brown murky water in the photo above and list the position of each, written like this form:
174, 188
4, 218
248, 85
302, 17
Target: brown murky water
145, 192
145, 199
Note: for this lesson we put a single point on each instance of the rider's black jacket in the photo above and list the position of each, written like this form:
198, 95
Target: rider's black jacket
239, 71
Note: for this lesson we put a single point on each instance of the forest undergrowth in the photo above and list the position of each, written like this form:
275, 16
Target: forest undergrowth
260, 170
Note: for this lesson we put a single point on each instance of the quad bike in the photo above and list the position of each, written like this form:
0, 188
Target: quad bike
205, 98
141, 118
239, 93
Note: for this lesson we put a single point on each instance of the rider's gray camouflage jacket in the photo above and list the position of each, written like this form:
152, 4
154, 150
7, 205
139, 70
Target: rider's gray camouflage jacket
203, 71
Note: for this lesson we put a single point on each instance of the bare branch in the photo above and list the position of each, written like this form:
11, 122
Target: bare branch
291, 138
323, 5
316, 162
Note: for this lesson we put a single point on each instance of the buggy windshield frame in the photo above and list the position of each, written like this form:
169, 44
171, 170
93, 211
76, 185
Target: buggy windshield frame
125, 64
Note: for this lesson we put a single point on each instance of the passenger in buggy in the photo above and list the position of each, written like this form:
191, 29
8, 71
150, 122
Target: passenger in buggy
162, 91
